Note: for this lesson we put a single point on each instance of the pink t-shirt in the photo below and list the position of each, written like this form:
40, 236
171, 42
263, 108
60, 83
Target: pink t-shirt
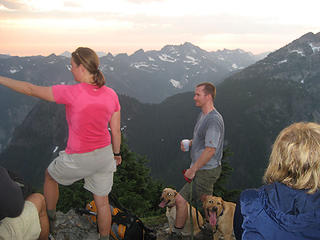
88, 112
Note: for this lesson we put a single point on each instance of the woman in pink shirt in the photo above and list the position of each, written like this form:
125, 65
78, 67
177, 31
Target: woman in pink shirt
91, 153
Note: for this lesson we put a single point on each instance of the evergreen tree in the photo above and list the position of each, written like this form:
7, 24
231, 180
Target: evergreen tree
73, 197
133, 185
220, 186
135, 189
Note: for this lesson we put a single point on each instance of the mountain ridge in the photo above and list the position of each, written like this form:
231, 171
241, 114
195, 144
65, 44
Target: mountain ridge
149, 76
256, 103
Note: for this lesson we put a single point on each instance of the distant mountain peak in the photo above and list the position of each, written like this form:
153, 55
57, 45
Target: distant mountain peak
66, 54
139, 51
307, 45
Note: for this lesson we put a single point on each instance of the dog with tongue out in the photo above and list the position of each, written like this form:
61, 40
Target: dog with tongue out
168, 201
220, 215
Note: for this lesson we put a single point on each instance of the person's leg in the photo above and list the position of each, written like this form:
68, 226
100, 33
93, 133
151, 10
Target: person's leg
204, 184
51, 191
51, 194
38, 200
182, 211
104, 215
203, 198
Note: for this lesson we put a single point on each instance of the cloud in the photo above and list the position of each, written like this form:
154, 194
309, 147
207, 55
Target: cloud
13, 4
72, 4
144, 1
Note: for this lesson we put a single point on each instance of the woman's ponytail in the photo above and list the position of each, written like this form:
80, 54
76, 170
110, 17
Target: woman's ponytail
99, 78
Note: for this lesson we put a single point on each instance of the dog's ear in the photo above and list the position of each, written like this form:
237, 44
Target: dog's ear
223, 204
175, 193
204, 202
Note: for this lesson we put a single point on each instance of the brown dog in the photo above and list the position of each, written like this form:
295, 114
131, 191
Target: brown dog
220, 214
168, 200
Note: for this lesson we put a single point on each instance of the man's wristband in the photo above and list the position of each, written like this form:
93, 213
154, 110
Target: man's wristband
117, 154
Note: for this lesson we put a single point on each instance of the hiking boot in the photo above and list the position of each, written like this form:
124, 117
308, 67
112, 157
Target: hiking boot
50, 237
52, 224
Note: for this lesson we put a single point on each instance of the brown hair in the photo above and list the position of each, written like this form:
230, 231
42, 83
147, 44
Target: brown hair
209, 88
90, 60
295, 157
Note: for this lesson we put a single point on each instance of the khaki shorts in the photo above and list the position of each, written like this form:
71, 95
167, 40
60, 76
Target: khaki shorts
203, 184
26, 226
96, 168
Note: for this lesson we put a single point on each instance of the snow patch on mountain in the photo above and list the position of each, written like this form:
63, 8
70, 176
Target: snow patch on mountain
191, 60
175, 83
315, 48
298, 51
68, 67
14, 70
166, 58
139, 65
235, 66
283, 61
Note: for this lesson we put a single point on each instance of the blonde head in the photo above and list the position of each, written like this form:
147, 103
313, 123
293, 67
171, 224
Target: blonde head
295, 157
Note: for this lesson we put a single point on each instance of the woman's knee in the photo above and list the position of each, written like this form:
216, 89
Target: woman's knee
38, 200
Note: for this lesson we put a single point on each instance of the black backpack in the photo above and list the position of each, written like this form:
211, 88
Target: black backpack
125, 225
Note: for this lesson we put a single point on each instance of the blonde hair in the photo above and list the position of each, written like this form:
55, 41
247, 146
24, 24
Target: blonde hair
90, 60
295, 157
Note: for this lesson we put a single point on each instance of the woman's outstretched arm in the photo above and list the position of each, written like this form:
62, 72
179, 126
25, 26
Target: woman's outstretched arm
27, 88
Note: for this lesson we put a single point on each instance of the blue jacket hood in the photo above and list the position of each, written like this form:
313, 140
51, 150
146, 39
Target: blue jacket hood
294, 210
276, 211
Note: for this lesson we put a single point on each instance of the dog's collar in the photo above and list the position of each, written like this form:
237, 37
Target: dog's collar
169, 206
221, 213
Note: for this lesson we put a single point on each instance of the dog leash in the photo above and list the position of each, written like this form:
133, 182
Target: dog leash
193, 191
190, 181
190, 209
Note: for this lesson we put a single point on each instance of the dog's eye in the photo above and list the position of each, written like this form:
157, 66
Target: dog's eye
169, 194
210, 201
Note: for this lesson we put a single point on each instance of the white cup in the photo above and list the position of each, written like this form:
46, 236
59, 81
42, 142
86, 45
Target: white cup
186, 144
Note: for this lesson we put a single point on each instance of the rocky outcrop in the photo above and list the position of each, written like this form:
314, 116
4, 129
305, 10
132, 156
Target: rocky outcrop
72, 226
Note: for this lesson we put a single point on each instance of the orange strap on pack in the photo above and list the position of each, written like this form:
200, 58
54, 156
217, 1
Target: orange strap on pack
92, 207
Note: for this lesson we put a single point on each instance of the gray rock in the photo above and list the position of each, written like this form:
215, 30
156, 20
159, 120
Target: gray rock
71, 226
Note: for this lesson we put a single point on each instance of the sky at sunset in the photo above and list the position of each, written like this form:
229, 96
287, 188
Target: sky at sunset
42, 27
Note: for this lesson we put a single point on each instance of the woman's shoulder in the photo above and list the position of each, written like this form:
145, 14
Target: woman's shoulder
251, 201
109, 90
250, 194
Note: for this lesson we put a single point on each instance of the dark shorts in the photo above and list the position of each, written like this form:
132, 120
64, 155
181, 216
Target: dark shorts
202, 184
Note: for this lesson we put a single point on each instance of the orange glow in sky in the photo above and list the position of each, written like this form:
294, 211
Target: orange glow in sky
42, 27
